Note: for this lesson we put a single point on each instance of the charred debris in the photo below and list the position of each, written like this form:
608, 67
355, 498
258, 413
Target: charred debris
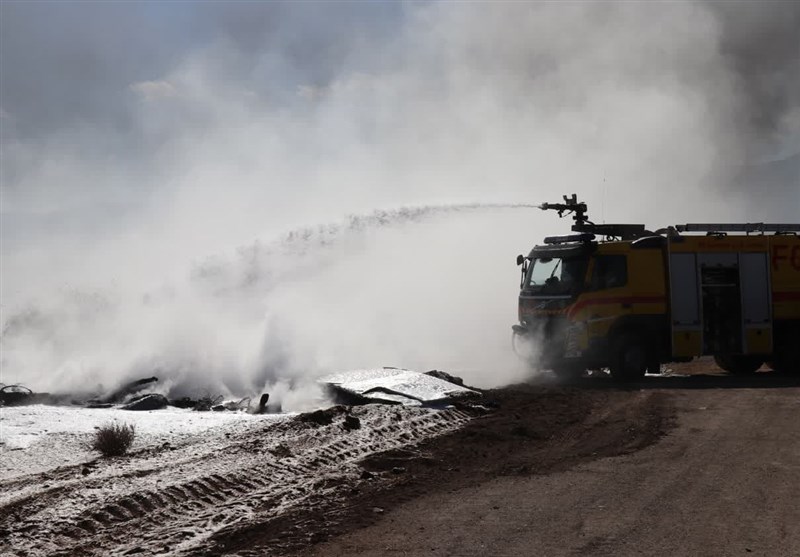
131, 397
388, 385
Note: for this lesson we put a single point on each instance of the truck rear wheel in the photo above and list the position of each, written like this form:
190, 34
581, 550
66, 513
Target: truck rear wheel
787, 353
739, 364
630, 357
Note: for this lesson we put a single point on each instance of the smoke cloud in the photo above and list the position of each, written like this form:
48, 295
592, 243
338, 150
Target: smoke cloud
155, 160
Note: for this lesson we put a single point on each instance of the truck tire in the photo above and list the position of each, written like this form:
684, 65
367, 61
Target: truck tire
522, 346
787, 353
568, 372
631, 355
738, 364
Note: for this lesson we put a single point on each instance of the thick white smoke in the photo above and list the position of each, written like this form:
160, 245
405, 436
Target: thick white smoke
163, 250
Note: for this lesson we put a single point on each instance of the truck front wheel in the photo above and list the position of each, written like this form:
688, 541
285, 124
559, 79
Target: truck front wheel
569, 372
630, 357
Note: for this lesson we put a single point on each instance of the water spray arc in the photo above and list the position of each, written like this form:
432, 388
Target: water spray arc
235, 317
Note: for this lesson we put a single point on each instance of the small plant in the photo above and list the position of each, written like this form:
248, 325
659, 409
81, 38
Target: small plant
113, 439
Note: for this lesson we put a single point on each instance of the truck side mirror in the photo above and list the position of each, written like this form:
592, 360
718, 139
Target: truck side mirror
521, 261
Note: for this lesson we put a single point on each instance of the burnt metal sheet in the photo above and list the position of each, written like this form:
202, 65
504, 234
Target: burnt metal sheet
395, 386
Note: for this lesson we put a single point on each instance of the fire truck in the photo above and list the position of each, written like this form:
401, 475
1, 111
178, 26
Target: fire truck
626, 299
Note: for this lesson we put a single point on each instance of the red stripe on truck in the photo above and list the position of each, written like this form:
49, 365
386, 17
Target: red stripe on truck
616, 300
786, 296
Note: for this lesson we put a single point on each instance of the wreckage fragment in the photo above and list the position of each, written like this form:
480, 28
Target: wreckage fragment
147, 402
321, 417
264, 406
15, 395
444, 376
351, 423
129, 389
395, 386
206, 403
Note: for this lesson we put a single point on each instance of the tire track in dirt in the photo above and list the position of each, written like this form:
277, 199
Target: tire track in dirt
532, 430
175, 503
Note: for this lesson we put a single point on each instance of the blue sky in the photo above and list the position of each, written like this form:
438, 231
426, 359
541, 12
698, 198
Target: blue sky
65, 61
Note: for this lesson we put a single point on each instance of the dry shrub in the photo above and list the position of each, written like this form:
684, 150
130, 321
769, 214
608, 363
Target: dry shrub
113, 439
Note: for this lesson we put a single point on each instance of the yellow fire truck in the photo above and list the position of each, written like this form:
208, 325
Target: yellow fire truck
636, 299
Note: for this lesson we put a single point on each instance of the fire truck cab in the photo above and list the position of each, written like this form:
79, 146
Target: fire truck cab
636, 299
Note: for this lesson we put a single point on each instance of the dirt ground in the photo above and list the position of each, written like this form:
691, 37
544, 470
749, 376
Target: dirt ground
691, 462
705, 464
532, 429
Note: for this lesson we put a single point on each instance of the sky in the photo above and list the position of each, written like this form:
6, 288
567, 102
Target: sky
155, 156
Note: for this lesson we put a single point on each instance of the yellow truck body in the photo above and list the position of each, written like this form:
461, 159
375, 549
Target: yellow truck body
631, 304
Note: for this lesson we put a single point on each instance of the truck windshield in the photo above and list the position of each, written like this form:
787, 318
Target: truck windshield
557, 276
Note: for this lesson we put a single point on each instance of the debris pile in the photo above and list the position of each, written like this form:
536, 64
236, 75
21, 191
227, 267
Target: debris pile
387, 385
136, 396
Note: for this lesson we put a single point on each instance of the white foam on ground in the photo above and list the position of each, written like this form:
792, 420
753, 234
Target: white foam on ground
238, 472
38, 437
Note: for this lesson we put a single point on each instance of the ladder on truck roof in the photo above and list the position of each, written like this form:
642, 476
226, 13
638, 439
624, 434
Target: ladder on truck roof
738, 227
